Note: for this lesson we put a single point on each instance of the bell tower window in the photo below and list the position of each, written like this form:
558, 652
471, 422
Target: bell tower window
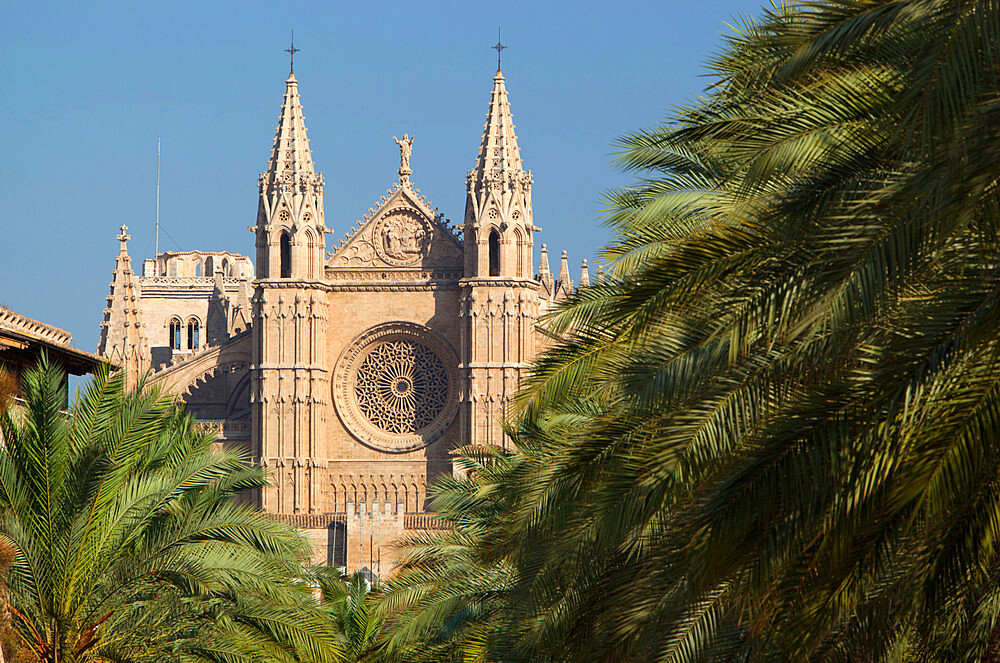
193, 335
286, 256
494, 249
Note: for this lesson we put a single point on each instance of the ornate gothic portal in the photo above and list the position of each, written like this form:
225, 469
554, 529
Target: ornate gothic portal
395, 387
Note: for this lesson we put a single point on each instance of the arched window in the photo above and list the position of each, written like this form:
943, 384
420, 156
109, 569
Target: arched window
518, 253
311, 248
175, 334
286, 256
494, 253
209, 266
225, 267
197, 268
193, 334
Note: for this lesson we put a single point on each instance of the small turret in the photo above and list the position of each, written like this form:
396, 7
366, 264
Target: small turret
123, 333
544, 275
564, 284
584, 275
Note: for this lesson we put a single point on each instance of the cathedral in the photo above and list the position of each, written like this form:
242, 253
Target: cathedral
351, 375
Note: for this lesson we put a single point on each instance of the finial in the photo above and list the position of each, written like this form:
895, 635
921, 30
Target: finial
405, 150
291, 54
123, 237
498, 48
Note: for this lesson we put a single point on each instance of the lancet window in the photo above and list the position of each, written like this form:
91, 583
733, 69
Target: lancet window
494, 248
286, 256
175, 334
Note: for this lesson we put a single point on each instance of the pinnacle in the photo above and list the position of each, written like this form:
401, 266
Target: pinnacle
291, 157
498, 152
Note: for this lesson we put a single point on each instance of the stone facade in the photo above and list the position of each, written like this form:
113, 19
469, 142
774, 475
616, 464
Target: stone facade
351, 375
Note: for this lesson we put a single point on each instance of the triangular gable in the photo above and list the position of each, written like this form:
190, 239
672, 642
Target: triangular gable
403, 233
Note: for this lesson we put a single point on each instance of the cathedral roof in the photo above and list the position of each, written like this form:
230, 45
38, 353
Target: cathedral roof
499, 154
291, 158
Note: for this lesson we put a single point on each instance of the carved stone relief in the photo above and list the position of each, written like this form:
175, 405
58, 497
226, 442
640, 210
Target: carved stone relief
402, 237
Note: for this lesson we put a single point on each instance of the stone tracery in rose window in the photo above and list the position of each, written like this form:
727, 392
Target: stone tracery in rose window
402, 386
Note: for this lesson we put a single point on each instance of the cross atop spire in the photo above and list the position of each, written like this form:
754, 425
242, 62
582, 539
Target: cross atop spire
498, 48
291, 50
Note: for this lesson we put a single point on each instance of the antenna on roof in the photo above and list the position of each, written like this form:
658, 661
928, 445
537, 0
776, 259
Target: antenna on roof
156, 250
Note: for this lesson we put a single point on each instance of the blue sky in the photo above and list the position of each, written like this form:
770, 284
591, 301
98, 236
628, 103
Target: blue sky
86, 87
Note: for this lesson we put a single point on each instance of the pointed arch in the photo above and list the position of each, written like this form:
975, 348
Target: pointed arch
175, 333
193, 333
285, 255
493, 248
310, 242
517, 251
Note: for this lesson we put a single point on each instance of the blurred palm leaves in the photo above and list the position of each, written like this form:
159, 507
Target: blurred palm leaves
773, 433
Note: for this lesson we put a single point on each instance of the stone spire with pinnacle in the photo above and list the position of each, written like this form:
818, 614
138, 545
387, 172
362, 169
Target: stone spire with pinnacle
500, 299
498, 197
123, 334
291, 158
290, 219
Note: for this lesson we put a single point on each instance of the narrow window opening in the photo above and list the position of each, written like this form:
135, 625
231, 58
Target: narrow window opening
286, 256
175, 334
193, 335
494, 253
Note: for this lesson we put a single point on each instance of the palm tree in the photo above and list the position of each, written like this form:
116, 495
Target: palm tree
349, 601
771, 435
129, 541
449, 600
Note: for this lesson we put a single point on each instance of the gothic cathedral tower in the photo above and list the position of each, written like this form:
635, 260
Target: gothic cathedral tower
290, 390
499, 307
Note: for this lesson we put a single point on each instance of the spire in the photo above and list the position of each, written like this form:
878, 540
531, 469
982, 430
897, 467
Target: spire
564, 284
564, 269
123, 334
584, 275
291, 159
498, 199
499, 157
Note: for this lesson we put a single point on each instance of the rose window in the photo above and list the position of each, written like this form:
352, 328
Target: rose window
395, 386
402, 386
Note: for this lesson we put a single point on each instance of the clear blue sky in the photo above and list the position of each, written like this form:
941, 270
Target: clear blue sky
85, 87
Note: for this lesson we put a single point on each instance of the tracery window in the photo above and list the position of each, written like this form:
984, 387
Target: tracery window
175, 334
402, 386
193, 329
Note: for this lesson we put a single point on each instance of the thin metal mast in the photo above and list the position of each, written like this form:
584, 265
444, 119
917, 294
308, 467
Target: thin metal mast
156, 250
